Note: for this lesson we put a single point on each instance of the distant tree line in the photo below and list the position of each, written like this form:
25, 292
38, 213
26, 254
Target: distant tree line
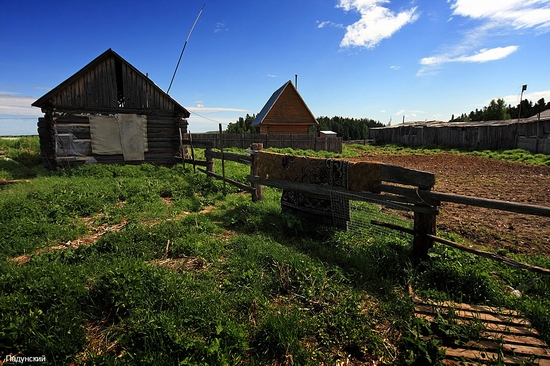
242, 125
347, 128
498, 110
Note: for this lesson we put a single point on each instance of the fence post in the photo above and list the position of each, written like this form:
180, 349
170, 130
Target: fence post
424, 223
223, 161
182, 150
210, 160
258, 193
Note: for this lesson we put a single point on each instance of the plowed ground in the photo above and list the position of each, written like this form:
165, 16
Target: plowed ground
499, 231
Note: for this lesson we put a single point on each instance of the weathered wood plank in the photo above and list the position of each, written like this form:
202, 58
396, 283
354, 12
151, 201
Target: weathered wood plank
489, 203
493, 256
196, 162
518, 350
318, 189
405, 176
239, 185
238, 158
473, 315
464, 306
514, 338
496, 327
431, 196
483, 356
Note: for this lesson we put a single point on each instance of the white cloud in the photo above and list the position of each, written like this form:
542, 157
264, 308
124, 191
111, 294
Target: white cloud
328, 23
395, 67
14, 104
533, 97
492, 17
272, 76
516, 13
483, 55
220, 27
377, 22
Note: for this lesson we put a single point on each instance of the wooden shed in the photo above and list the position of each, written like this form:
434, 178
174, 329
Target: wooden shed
285, 113
109, 112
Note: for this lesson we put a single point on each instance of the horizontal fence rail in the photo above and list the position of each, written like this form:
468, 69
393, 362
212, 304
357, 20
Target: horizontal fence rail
431, 196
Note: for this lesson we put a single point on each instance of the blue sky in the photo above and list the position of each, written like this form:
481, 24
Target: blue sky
420, 59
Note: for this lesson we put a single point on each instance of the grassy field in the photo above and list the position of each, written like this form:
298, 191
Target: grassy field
128, 265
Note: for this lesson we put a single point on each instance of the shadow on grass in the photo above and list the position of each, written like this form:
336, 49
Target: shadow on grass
372, 263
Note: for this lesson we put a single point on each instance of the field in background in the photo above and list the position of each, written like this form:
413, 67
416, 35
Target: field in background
107, 264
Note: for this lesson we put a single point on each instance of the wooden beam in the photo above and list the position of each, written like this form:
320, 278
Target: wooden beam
488, 203
430, 197
199, 144
424, 229
405, 176
258, 194
223, 160
392, 226
324, 190
238, 158
240, 185
465, 248
197, 162
492, 256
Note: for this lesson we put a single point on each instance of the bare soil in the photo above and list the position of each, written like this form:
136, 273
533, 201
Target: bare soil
498, 231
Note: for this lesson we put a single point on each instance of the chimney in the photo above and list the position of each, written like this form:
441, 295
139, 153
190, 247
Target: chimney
296, 81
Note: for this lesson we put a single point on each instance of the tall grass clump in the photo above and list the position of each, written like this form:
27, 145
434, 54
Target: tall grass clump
21, 158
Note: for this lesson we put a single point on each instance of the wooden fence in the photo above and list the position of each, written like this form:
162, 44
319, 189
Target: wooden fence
413, 191
243, 141
531, 135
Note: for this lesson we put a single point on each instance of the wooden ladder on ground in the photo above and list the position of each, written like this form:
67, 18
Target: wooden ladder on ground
505, 336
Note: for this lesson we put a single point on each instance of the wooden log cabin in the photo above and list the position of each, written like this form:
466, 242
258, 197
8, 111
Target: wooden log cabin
285, 113
109, 112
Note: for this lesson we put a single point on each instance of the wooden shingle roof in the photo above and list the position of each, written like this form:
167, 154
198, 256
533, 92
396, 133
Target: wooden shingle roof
109, 82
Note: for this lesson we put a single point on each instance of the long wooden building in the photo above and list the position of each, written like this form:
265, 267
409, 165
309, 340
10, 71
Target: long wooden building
531, 134
109, 112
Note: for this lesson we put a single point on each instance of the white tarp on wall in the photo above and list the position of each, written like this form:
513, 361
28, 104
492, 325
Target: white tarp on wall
119, 134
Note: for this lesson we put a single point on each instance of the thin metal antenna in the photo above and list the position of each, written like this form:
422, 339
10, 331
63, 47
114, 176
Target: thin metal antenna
183, 49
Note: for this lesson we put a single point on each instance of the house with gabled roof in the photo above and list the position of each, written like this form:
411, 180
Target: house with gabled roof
109, 112
285, 113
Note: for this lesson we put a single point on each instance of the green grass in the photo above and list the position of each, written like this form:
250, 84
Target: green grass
237, 284
515, 155
23, 155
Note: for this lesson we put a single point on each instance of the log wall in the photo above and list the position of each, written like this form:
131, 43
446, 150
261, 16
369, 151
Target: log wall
65, 140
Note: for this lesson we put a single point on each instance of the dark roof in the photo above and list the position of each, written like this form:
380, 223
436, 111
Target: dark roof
273, 100
45, 99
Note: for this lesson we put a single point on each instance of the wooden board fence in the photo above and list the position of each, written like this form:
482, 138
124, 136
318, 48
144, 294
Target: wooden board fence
294, 141
412, 192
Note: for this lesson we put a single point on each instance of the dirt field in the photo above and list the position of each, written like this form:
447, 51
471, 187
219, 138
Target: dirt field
487, 178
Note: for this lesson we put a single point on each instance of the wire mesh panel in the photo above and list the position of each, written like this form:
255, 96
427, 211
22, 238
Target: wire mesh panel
355, 213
